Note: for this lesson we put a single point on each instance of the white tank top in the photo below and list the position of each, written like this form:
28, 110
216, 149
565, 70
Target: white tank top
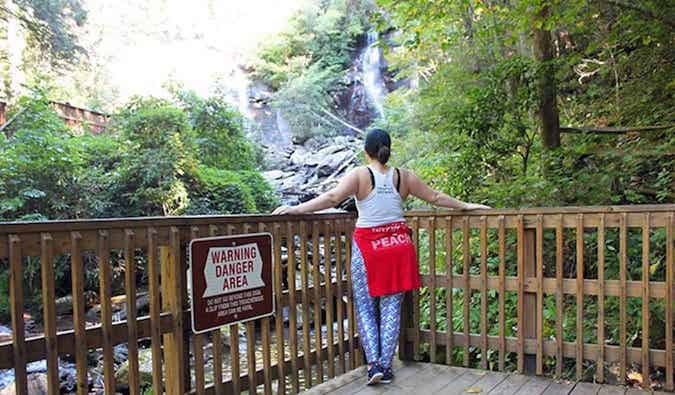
383, 205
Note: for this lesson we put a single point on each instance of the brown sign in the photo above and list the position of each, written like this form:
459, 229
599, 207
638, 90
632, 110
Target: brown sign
231, 280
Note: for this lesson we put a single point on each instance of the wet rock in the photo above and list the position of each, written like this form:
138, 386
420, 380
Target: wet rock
144, 369
37, 385
299, 156
5, 334
67, 376
315, 143
120, 353
64, 305
332, 162
274, 174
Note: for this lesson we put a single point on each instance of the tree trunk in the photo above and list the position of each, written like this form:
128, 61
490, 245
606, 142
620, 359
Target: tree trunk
469, 32
548, 110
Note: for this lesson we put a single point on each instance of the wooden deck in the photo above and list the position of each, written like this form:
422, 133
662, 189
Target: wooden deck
425, 378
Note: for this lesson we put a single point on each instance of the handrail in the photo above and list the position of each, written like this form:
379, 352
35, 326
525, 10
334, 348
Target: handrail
506, 236
188, 220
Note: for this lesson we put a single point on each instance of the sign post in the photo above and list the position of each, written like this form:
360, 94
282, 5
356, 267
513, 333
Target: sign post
230, 280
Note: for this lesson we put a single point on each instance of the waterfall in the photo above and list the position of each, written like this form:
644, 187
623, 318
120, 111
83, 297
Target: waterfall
242, 93
285, 137
371, 63
237, 87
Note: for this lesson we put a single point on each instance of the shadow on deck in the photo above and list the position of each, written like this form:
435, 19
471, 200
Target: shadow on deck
425, 378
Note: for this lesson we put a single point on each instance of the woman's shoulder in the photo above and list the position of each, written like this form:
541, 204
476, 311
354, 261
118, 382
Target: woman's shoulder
405, 172
358, 170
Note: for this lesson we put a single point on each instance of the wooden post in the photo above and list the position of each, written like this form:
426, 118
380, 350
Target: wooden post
17, 309
530, 298
172, 298
405, 348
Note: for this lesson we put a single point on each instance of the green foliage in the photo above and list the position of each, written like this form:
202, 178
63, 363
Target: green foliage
265, 197
323, 33
306, 64
219, 132
477, 99
4, 292
39, 165
150, 162
220, 191
152, 179
50, 26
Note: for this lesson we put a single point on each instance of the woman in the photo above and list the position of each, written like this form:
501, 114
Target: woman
384, 264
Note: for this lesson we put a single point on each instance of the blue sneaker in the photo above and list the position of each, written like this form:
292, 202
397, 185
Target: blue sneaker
375, 374
387, 375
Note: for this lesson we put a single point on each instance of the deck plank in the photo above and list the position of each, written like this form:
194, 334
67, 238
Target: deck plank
459, 385
488, 382
511, 385
409, 372
425, 378
560, 388
536, 385
341, 384
586, 389
425, 382
637, 391
611, 390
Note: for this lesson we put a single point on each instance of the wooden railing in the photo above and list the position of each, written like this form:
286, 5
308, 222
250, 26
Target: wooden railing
524, 264
178, 356
499, 264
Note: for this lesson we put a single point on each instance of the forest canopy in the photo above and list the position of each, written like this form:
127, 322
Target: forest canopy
483, 81
158, 157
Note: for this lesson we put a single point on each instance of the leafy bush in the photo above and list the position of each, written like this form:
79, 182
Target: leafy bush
162, 157
219, 191
219, 132
265, 197
39, 163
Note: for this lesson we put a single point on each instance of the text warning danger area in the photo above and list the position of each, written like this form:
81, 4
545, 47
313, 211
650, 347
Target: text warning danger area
231, 278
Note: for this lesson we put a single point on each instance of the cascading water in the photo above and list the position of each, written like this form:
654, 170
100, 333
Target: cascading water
240, 99
285, 136
371, 63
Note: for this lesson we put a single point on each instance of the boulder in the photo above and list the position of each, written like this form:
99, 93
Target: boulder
144, 369
273, 175
331, 149
315, 143
331, 163
37, 385
299, 156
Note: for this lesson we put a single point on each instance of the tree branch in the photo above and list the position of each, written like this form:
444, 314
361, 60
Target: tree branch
350, 126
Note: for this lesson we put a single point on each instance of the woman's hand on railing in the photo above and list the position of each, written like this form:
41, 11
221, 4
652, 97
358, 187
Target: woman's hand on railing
281, 210
475, 206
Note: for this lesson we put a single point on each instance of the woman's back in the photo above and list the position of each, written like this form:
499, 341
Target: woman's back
383, 205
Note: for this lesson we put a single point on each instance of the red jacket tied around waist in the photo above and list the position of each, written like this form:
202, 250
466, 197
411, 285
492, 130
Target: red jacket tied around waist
390, 258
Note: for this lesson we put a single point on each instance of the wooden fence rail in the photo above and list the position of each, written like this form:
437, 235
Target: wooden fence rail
555, 253
535, 264
179, 358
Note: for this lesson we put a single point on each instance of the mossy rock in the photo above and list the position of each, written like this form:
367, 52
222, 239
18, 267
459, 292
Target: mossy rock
144, 369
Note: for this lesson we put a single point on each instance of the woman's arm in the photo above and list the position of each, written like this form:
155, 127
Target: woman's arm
420, 189
348, 186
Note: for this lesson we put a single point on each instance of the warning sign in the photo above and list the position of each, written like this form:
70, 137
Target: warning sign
231, 280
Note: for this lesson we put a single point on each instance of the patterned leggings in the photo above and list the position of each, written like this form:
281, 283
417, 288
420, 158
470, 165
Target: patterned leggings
378, 340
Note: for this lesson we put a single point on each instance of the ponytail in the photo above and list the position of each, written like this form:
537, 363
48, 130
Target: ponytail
378, 145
